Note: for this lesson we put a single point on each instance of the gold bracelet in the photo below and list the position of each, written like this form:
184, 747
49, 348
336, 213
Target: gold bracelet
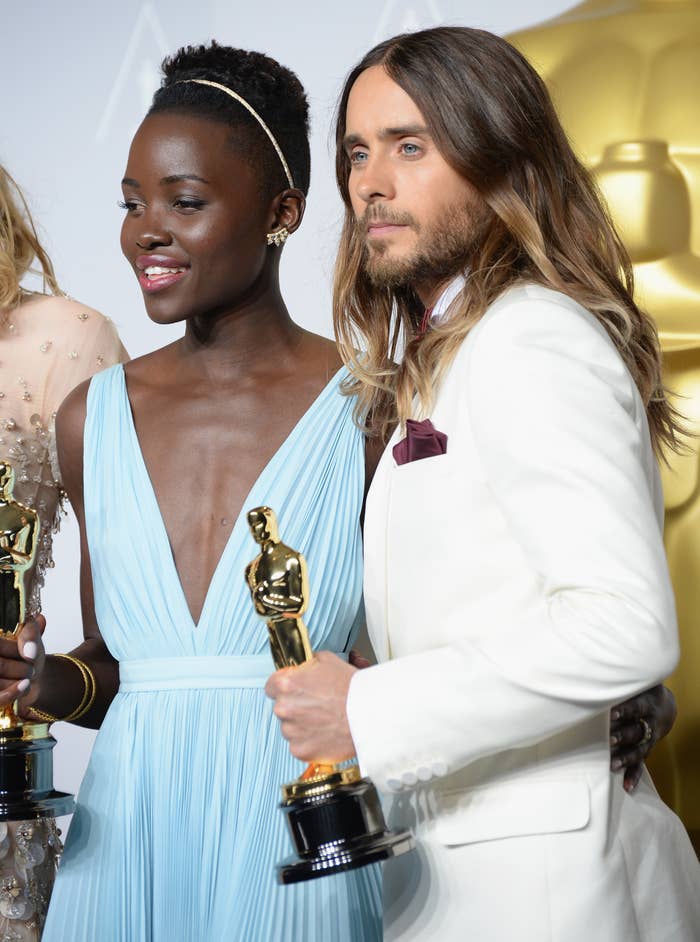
40, 715
89, 694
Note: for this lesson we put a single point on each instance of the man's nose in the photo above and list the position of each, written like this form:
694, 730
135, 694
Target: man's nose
375, 182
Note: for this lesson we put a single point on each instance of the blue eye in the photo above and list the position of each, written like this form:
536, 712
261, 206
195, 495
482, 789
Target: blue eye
410, 149
358, 156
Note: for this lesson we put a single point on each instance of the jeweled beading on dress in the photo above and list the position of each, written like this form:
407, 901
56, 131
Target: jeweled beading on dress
48, 345
177, 827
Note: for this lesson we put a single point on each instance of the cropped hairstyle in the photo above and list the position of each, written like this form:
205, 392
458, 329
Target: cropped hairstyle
272, 90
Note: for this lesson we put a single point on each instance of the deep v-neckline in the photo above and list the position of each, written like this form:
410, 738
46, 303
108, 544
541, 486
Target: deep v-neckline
150, 490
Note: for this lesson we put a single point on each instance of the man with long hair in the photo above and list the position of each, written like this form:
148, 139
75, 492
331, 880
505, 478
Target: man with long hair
515, 580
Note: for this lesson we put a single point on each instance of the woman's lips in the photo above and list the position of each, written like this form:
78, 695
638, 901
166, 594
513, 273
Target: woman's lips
156, 277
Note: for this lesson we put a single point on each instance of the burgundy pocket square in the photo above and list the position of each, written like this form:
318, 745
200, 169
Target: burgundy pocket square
422, 440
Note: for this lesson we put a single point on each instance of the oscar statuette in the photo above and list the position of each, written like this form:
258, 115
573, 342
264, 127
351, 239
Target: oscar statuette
26, 768
333, 813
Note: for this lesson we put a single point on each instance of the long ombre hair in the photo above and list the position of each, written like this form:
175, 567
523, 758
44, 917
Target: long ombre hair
19, 245
492, 119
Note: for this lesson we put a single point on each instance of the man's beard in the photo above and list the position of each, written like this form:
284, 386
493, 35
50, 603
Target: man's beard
443, 249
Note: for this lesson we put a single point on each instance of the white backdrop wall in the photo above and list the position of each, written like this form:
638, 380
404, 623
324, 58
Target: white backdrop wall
76, 79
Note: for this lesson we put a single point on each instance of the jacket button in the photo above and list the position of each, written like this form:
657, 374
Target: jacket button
394, 784
424, 773
409, 778
439, 768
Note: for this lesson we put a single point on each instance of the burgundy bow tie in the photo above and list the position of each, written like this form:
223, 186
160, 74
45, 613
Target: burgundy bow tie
422, 440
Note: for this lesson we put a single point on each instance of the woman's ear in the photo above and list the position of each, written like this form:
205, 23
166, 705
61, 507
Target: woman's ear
287, 211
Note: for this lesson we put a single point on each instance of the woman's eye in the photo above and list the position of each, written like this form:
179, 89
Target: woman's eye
129, 205
188, 204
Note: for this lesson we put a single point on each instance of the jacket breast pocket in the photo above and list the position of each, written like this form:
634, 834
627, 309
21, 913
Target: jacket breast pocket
420, 515
512, 810
433, 466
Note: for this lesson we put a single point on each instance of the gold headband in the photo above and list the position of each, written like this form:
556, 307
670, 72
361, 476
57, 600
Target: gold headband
242, 101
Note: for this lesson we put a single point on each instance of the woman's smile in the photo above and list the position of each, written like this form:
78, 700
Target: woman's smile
156, 272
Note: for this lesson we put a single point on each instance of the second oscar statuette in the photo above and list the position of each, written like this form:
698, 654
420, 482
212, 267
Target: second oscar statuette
26, 768
334, 814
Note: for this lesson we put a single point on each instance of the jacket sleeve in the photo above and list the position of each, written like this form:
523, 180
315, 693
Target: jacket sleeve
560, 435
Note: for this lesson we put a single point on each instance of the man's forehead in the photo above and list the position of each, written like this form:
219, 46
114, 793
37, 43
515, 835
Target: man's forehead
377, 103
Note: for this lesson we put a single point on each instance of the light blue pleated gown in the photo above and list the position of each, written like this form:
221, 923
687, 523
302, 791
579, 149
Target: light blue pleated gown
177, 828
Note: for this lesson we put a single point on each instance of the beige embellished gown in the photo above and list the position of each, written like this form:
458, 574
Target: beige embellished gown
47, 346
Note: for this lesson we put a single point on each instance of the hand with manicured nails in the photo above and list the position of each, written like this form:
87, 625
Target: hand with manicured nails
21, 664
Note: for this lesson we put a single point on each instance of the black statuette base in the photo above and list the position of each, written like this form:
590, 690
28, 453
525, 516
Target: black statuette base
339, 830
26, 780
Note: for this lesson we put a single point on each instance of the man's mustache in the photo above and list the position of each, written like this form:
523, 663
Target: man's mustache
379, 216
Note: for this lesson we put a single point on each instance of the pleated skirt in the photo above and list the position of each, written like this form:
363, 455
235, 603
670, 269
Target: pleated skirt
178, 830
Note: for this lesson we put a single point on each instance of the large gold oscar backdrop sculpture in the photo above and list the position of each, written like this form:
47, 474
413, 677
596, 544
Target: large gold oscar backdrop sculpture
625, 77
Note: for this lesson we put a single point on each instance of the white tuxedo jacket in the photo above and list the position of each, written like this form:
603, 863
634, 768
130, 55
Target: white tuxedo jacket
516, 587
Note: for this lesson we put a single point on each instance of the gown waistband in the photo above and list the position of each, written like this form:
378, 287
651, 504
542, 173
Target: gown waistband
196, 673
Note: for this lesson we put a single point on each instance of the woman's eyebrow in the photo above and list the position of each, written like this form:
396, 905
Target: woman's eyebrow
172, 178
179, 177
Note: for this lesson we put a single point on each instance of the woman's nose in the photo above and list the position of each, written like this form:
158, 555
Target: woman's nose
149, 229
152, 237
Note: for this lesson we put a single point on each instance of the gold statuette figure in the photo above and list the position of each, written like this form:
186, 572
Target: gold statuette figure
334, 814
279, 584
26, 773
624, 76
19, 530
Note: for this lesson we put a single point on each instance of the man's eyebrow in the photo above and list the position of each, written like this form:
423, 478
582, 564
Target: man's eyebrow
350, 140
406, 130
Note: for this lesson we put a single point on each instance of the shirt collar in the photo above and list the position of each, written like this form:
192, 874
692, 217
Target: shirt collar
442, 304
